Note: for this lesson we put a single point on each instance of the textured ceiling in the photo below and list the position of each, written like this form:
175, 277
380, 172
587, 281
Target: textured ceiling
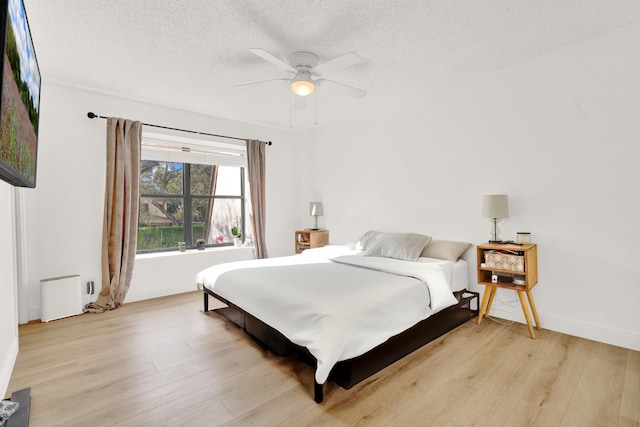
191, 54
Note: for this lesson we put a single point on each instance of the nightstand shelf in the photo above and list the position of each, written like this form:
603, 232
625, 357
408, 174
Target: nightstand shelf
307, 239
498, 265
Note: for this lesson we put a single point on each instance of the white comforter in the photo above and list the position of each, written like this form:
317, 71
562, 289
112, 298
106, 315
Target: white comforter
339, 307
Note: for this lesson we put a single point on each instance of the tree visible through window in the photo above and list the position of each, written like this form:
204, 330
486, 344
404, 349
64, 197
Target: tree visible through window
182, 202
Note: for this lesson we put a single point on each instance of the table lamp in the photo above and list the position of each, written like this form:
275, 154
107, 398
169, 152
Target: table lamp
495, 207
315, 210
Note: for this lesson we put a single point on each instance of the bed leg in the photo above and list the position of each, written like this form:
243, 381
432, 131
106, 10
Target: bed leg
318, 394
206, 302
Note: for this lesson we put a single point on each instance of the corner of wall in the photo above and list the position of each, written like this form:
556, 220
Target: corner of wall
7, 363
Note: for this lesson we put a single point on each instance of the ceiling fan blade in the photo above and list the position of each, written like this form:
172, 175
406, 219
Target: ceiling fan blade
338, 63
272, 59
346, 89
262, 82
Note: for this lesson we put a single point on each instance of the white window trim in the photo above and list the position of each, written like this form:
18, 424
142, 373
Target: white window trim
174, 148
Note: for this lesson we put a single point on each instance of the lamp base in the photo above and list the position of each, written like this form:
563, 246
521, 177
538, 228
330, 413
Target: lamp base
495, 231
504, 242
315, 223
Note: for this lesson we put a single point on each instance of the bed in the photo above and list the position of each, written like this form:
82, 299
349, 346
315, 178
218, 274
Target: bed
348, 311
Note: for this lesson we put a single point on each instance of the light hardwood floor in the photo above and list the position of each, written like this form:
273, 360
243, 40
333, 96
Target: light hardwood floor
163, 362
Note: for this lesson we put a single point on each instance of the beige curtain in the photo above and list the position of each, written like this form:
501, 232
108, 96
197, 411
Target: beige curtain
256, 172
121, 206
213, 182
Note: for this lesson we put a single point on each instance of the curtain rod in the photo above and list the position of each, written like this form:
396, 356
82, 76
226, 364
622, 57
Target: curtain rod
96, 116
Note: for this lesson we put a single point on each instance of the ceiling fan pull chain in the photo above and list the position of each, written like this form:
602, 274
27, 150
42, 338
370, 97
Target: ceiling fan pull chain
315, 109
291, 110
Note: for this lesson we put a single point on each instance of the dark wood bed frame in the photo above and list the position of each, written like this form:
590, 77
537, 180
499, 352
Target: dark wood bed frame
348, 373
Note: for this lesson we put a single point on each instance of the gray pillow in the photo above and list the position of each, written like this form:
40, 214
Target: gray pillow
405, 246
367, 239
445, 249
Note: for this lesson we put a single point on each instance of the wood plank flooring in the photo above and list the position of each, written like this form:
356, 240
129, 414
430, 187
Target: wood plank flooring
164, 362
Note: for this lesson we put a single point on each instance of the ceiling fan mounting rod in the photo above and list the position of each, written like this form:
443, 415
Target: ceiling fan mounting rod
303, 60
303, 68
303, 74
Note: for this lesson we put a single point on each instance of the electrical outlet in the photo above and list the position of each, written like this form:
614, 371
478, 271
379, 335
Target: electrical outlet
90, 287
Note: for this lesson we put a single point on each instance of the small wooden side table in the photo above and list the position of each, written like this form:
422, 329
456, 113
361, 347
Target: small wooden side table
501, 275
307, 239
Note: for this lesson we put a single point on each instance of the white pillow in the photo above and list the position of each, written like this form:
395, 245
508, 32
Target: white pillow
405, 246
445, 249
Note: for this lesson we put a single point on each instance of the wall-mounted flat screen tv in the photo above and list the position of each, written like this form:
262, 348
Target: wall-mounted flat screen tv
20, 93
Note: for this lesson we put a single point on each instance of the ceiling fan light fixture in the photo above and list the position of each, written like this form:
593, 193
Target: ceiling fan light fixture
308, 74
302, 87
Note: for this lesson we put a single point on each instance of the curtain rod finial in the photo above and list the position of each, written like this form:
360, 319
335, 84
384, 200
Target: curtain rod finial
91, 115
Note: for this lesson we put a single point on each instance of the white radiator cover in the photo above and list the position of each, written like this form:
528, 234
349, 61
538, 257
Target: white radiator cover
60, 297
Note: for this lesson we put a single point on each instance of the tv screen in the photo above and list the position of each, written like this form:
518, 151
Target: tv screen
20, 92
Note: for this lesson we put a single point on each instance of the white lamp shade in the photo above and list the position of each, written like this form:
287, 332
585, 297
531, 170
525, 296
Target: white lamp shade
302, 87
315, 209
495, 206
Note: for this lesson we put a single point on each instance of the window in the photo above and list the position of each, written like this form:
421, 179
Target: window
185, 197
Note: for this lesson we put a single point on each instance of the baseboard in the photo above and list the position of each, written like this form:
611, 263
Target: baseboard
592, 332
6, 366
507, 306
158, 292
511, 310
35, 313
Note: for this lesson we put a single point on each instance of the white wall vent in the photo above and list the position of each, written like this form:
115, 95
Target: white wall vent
60, 297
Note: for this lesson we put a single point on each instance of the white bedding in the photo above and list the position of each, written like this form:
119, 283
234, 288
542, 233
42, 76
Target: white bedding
334, 302
456, 273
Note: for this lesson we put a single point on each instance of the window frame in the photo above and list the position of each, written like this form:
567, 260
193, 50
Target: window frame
187, 199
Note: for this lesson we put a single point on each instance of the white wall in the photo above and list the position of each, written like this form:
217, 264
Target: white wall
558, 133
64, 212
8, 287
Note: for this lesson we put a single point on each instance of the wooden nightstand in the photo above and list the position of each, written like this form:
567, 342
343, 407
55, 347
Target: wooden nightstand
307, 239
520, 260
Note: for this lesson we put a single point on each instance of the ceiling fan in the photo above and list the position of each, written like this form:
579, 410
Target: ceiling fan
308, 73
